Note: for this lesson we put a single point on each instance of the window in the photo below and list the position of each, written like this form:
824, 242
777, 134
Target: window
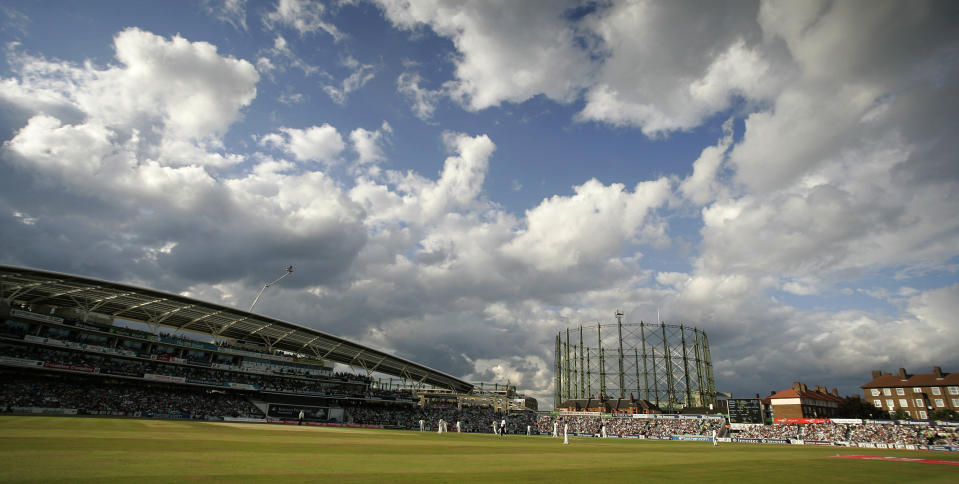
939, 403
887, 391
900, 391
919, 403
955, 402
954, 390
916, 390
877, 403
936, 391
922, 414
908, 414
875, 392
903, 403
890, 404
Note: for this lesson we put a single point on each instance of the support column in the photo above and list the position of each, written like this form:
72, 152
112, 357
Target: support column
582, 372
602, 360
642, 338
622, 373
689, 393
557, 373
670, 385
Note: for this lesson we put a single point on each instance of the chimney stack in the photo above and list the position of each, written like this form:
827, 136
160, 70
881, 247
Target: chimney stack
902, 373
938, 371
797, 386
876, 374
835, 391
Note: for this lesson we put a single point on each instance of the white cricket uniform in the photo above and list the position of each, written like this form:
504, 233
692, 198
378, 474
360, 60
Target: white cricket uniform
566, 433
422, 425
555, 429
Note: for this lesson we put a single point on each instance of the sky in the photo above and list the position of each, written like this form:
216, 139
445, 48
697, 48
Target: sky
455, 182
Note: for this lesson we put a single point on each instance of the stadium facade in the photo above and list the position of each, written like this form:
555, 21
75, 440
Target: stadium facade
91, 299
664, 364
67, 347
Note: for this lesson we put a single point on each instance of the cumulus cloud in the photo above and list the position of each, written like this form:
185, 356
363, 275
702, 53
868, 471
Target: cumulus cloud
669, 65
369, 144
137, 182
702, 185
509, 51
322, 144
591, 226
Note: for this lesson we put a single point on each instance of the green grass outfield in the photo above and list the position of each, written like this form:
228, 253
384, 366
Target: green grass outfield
74, 449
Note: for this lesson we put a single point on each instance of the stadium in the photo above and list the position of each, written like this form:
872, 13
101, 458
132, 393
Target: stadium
104, 381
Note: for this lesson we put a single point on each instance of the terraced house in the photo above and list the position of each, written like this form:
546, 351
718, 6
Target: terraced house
918, 395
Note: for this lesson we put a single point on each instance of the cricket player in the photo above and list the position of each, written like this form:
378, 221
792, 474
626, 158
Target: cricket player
566, 433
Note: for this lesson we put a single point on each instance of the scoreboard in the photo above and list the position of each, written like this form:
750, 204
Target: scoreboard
745, 410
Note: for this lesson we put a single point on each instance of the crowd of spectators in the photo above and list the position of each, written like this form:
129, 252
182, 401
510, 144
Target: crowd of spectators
894, 434
145, 350
193, 374
856, 433
122, 399
407, 417
775, 431
659, 427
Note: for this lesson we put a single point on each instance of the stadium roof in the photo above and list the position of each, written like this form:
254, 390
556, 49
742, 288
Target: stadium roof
152, 307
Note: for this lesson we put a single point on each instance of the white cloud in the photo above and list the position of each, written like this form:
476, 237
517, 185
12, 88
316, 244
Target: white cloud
304, 16
423, 100
369, 144
198, 92
668, 65
509, 51
360, 75
702, 185
322, 144
591, 226
232, 12
282, 57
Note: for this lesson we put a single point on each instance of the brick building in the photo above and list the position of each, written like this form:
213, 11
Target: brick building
801, 402
916, 394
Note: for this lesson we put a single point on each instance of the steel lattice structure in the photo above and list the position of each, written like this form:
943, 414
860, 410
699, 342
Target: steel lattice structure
666, 364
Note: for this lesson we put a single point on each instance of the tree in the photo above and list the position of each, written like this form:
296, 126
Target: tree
855, 407
944, 414
900, 414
